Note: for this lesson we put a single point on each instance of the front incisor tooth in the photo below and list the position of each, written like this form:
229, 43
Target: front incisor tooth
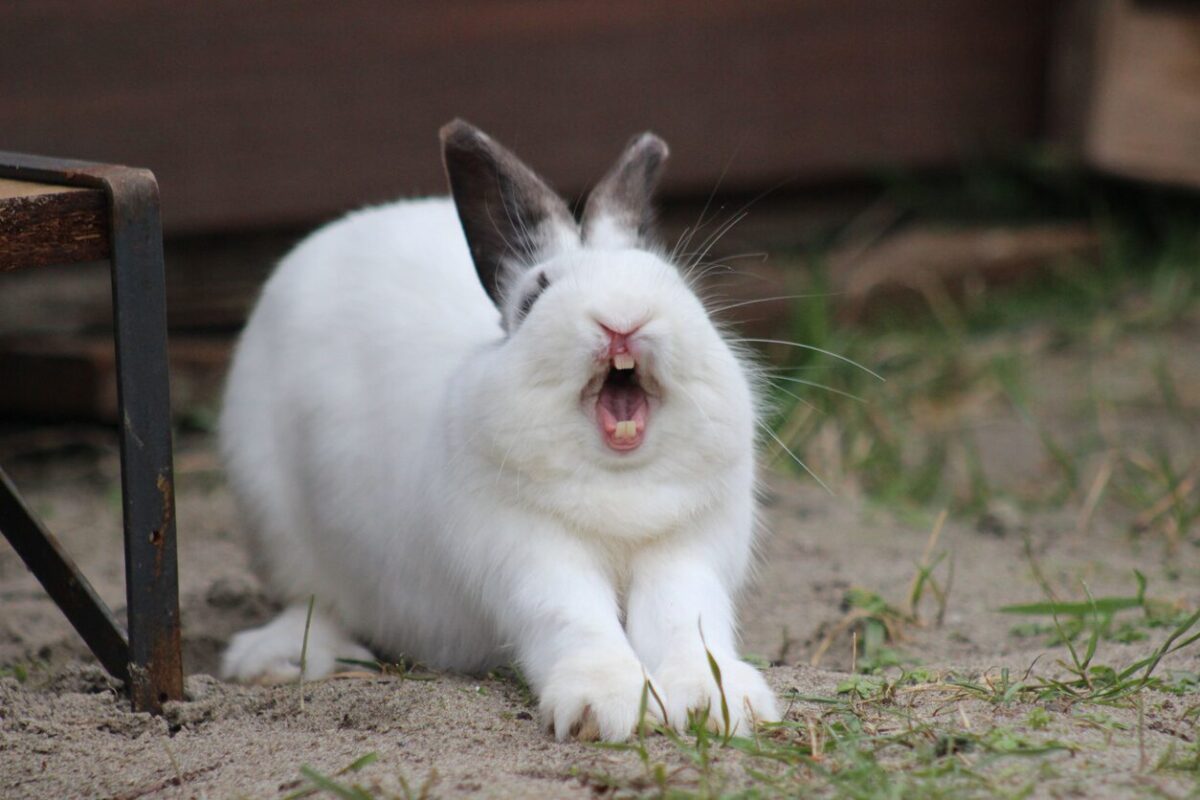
626, 429
623, 361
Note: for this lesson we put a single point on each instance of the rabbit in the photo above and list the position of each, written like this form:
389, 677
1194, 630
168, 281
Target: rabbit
478, 432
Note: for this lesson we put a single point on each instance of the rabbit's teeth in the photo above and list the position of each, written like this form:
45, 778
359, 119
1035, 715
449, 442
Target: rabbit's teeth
626, 429
623, 361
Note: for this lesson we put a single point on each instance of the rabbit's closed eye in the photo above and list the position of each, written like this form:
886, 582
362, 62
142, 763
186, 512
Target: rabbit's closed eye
543, 283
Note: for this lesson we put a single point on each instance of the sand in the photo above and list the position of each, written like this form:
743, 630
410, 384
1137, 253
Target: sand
66, 731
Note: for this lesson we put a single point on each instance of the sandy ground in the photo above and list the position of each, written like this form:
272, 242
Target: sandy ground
66, 732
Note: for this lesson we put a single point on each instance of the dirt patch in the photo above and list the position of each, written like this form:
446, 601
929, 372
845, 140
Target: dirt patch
65, 731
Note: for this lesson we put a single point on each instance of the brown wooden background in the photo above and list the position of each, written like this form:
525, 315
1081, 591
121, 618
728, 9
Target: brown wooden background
283, 113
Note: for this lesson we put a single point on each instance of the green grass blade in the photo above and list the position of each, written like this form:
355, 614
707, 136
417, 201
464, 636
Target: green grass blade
1094, 639
1166, 646
715, 668
359, 763
327, 784
1101, 605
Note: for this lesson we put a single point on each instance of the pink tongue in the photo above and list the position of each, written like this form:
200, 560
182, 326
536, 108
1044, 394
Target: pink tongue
622, 404
622, 401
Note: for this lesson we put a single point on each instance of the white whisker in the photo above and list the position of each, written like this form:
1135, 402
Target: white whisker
692, 230
738, 215
716, 236
815, 349
771, 299
794, 395
707, 270
795, 458
784, 370
694, 258
758, 254
816, 385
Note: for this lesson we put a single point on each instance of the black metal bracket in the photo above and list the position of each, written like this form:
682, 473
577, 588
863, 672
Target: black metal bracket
149, 660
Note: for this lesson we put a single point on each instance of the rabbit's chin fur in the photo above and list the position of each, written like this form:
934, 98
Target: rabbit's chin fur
445, 492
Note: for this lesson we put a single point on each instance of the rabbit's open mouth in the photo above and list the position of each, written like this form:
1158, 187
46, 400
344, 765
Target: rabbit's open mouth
622, 405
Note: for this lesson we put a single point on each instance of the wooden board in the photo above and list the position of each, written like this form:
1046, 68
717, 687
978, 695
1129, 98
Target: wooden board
42, 224
16, 190
926, 267
212, 281
289, 111
1144, 115
75, 377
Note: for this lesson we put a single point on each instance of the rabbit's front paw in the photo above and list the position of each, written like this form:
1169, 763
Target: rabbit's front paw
595, 696
690, 687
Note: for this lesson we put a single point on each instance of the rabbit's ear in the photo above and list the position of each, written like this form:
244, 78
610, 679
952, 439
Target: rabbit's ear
618, 211
511, 218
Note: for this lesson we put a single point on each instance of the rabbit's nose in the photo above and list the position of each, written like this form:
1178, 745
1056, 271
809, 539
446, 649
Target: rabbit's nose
619, 340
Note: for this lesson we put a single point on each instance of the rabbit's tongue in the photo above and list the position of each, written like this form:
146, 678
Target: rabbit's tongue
621, 412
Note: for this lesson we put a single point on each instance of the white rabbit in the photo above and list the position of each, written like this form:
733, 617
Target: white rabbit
529, 444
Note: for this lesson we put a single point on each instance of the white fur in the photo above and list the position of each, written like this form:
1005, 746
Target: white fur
441, 490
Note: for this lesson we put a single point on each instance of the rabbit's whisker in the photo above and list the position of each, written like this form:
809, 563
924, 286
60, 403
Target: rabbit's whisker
784, 370
817, 386
740, 214
795, 458
771, 300
690, 231
714, 237
794, 396
707, 268
816, 349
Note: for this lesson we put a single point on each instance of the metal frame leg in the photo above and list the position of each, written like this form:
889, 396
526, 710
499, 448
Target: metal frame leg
149, 661
143, 401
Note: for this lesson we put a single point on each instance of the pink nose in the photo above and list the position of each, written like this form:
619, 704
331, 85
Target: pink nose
618, 341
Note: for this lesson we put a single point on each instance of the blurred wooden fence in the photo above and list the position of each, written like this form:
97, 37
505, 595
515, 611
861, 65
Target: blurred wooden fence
280, 113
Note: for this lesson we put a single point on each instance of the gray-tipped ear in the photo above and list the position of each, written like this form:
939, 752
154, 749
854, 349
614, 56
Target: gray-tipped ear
618, 211
511, 218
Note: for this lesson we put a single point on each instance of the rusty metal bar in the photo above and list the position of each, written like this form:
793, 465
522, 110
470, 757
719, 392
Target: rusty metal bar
154, 672
63, 581
143, 400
